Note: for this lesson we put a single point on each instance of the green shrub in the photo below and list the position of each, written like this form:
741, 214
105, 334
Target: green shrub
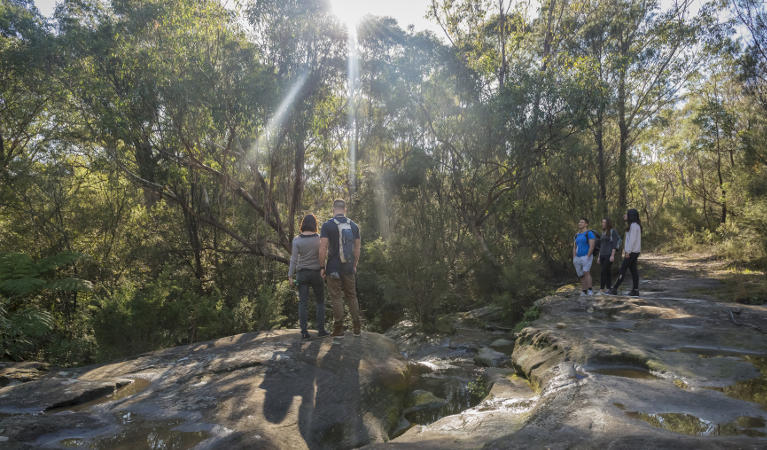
29, 291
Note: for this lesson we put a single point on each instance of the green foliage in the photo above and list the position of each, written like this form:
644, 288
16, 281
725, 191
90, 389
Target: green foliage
24, 284
531, 314
521, 284
478, 388
176, 144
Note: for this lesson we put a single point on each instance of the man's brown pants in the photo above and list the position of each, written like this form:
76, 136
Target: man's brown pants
338, 289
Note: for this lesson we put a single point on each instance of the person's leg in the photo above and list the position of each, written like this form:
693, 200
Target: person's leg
607, 272
604, 279
634, 271
578, 264
350, 292
303, 297
587, 281
621, 273
335, 291
319, 298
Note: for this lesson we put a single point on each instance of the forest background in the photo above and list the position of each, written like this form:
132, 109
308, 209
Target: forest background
156, 156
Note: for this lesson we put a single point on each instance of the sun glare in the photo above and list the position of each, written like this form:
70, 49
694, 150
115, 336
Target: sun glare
350, 12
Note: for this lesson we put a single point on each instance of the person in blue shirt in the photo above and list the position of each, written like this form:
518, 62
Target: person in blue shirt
583, 251
339, 254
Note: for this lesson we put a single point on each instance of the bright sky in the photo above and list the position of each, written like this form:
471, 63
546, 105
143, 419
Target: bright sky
406, 12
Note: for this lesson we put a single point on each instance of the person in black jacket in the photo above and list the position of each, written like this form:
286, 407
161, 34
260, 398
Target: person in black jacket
608, 246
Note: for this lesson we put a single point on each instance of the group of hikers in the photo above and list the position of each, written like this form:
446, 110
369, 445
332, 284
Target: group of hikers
329, 254
588, 242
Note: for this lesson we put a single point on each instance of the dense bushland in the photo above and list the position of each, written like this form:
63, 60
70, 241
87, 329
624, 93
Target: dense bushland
156, 156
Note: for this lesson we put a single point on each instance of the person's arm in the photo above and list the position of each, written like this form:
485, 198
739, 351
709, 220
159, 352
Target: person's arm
627, 245
613, 244
323, 255
575, 247
293, 259
592, 244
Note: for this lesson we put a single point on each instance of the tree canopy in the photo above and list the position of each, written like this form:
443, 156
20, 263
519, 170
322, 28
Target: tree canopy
156, 157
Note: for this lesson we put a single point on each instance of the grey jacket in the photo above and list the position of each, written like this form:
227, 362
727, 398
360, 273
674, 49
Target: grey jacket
305, 253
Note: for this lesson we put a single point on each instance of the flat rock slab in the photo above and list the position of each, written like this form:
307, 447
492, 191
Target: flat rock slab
257, 390
648, 372
15, 373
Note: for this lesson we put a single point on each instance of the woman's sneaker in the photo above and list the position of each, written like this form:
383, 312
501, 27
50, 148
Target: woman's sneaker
634, 293
323, 333
305, 335
613, 291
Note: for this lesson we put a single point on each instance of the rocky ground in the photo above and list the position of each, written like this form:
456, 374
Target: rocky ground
678, 367
255, 390
682, 366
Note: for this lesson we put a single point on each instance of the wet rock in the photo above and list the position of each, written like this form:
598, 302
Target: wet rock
488, 357
38, 396
15, 373
423, 406
255, 390
604, 372
502, 345
445, 324
632, 353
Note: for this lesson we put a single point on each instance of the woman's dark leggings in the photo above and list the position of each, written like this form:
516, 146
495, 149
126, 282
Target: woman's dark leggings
310, 278
605, 279
631, 264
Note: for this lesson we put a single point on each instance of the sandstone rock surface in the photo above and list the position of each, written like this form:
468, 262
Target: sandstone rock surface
255, 390
675, 368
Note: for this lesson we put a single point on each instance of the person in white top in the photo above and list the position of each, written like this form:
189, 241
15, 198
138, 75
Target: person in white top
631, 250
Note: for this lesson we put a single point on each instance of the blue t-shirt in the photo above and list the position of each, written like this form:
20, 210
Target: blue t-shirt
583, 242
330, 230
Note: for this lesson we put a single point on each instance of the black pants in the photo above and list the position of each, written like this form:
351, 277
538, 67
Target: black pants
606, 277
629, 263
310, 278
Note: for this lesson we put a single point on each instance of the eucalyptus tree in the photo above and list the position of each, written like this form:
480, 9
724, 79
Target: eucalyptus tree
516, 104
653, 54
171, 91
26, 89
305, 46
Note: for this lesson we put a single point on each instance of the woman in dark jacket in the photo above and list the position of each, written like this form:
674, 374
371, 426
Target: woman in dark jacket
607, 249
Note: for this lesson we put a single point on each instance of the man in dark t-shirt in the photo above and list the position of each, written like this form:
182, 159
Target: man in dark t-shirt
340, 275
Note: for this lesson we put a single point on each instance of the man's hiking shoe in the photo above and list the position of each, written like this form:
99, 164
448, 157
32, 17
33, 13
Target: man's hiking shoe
583, 293
338, 332
634, 293
590, 292
322, 333
305, 335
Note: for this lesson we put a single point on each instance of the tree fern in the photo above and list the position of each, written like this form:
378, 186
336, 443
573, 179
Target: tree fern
22, 280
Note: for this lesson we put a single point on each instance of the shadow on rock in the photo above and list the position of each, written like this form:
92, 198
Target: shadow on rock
324, 379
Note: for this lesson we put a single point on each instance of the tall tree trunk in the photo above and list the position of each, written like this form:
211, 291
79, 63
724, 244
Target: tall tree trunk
298, 182
623, 140
602, 175
502, 43
721, 179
